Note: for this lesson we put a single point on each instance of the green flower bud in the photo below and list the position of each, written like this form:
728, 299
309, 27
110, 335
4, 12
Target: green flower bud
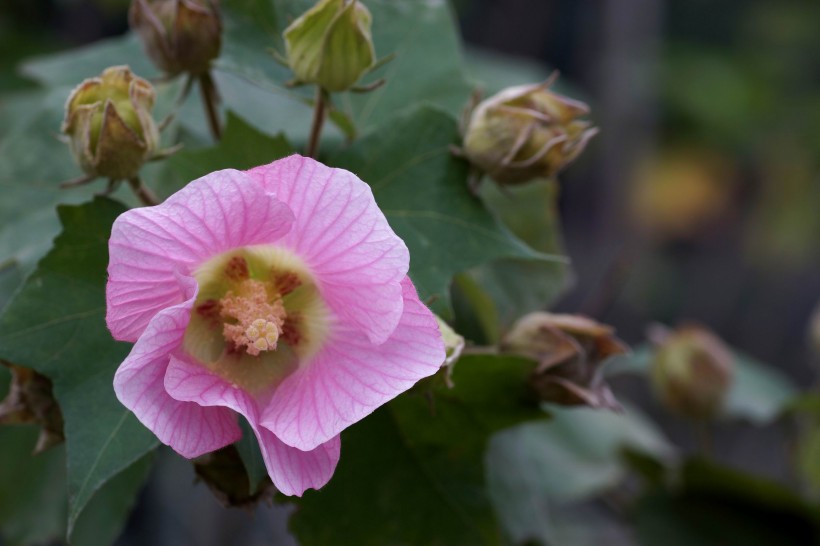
330, 45
178, 35
571, 351
692, 372
526, 132
109, 124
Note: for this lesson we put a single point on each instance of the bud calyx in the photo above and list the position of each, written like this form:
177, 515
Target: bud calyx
330, 45
109, 124
526, 132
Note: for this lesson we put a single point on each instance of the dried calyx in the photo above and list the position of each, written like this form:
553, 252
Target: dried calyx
571, 351
30, 401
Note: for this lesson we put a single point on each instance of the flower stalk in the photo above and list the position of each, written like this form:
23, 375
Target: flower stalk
143, 192
319, 116
210, 100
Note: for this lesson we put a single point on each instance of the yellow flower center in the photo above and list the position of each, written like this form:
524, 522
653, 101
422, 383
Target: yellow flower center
257, 316
251, 318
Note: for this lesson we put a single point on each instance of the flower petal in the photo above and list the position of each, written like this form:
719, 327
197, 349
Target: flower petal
292, 470
151, 247
188, 428
350, 377
345, 239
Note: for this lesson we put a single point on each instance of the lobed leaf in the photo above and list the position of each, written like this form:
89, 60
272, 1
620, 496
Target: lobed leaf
56, 325
406, 478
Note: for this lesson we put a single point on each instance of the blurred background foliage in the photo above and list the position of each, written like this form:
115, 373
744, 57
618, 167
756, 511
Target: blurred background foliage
697, 202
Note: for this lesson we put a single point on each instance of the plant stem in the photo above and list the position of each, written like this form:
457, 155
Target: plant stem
210, 98
319, 114
145, 195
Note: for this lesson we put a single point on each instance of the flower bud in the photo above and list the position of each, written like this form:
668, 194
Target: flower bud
109, 123
692, 372
178, 35
330, 45
526, 132
570, 351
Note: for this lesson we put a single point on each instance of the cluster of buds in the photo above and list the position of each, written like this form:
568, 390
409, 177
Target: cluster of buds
330, 45
691, 372
571, 351
525, 132
109, 124
180, 36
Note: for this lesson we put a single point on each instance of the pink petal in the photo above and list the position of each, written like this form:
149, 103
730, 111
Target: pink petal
151, 247
189, 429
350, 377
292, 470
345, 239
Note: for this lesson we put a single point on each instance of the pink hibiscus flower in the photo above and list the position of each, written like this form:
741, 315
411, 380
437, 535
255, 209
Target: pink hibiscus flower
281, 294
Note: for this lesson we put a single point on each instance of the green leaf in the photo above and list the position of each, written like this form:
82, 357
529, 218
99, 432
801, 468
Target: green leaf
494, 71
73, 66
10, 278
251, 456
32, 489
106, 514
33, 495
476, 315
715, 506
423, 35
5, 380
56, 325
35, 163
405, 477
241, 147
422, 189
535, 467
518, 286
758, 394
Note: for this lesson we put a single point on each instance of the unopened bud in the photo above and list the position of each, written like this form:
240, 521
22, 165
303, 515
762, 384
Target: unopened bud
109, 124
178, 35
570, 351
692, 372
526, 132
330, 45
